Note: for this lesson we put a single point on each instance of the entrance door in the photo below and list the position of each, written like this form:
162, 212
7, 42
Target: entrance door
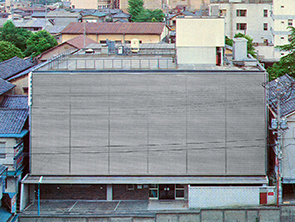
166, 192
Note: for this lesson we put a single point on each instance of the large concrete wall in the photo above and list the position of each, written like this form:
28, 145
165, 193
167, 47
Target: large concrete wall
148, 123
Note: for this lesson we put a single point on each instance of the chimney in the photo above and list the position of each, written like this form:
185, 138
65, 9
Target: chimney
240, 49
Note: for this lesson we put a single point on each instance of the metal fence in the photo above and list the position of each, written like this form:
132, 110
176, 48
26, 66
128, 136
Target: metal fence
67, 63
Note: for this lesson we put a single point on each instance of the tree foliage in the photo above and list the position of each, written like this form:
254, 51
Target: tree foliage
147, 15
8, 50
286, 65
14, 35
135, 7
39, 42
250, 47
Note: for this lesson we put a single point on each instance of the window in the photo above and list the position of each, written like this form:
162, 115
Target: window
130, 187
282, 6
241, 26
153, 191
282, 37
265, 13
179, 191
241, 13
222, 12
290, 22
2, 150
102, 42
265, 26
282, 22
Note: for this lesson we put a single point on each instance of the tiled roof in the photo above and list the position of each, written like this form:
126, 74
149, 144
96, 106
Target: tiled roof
15, 102
12, 120
78, 41
121, 15
284, 87
13, 66
5, 86
115, 28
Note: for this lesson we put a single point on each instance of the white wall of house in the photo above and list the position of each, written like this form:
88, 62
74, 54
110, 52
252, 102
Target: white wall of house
195, 43
283, 16
254, 18
289, 150
7, 145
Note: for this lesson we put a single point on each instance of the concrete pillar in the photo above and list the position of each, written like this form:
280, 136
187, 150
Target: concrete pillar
109, 192
24, 195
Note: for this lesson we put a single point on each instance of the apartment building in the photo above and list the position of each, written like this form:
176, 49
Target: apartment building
252, 18
283, 16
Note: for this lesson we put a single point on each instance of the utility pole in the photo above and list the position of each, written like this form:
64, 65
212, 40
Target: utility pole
279, 125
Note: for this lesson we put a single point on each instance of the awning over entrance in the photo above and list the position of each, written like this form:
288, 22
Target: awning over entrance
29, 179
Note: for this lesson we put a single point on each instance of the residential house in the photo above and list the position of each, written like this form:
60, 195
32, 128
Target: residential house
14, 144
5, 88
142, 127
15, 71
67, 47
90, 4
121, 16
146, 32
93, 17
4, 214
190, 5
281, 103
206, 47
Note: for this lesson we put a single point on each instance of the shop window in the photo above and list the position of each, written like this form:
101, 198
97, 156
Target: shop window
153, 191
179, 191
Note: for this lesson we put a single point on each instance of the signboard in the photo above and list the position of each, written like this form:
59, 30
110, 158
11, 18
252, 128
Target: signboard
18, 148
18, 161
13, 204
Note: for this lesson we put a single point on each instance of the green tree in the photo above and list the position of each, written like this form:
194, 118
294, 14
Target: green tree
39, 42
229, 41
147, 15
8, 50
286, 65
14, 35
250, 47
135, 7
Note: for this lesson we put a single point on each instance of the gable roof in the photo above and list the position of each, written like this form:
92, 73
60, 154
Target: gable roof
13, 66
284, 87
78, 41
15, 102
5, 86
12, 120
121, 15
148, 28
14, 111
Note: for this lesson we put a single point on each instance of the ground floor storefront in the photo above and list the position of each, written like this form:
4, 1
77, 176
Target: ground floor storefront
159, 192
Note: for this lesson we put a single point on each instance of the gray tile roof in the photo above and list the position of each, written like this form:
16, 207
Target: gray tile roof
13, 66
284, 87
15, 102
5, 86
12, 120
